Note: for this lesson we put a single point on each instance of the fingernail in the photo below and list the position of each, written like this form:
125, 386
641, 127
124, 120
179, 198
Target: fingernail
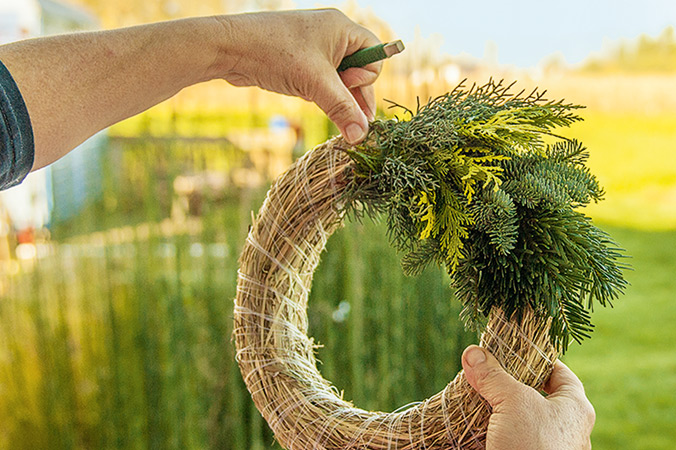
354, 133
474, 356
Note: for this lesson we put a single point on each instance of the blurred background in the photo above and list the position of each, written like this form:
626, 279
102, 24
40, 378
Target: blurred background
118, 263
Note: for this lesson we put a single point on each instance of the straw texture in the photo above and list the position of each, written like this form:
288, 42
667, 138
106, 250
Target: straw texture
276, 356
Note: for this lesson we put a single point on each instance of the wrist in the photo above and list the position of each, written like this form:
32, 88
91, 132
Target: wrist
229, 51
198, 46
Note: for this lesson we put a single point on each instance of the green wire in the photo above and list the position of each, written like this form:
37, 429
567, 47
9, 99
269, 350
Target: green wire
363, 57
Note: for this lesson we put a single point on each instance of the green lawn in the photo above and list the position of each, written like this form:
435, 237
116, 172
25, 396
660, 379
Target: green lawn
633, 157
629, 365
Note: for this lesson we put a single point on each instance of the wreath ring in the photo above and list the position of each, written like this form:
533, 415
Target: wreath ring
276, 356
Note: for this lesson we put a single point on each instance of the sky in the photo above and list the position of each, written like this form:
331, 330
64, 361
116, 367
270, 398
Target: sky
524, 31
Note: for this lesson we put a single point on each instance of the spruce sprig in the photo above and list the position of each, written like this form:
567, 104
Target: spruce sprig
468, 182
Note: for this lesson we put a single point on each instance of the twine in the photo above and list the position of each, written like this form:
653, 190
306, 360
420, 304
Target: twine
276, 356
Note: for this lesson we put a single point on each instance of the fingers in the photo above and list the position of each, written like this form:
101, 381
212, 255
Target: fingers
563, 381
488, 378
358, 37
334, 98
566, 390
359, 82
565, 387
351, 117
361, 76
296, 53
366, 99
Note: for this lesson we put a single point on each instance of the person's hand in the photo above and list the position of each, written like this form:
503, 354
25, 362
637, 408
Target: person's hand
296, 53
524, 419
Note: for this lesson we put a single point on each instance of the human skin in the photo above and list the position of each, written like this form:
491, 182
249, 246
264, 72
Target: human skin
524, 419
75, 85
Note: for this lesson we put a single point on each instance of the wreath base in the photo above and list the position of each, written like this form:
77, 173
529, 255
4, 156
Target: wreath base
276, 357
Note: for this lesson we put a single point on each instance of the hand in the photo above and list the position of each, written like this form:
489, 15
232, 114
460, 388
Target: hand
522, 418
296, 53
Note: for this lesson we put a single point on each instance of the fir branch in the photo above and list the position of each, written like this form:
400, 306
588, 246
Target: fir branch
468, 182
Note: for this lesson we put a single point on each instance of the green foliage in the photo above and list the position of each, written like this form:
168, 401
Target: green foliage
468, 182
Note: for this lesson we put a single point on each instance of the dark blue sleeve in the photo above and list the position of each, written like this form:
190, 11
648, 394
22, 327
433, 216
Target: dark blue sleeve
16, 134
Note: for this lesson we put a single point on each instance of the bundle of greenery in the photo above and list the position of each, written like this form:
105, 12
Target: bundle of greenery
478, 181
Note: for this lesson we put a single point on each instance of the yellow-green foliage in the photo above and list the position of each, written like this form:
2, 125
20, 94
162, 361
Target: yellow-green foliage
442, 216
468, 182
425, 170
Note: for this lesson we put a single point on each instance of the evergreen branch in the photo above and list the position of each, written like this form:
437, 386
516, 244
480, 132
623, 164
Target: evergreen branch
468, 182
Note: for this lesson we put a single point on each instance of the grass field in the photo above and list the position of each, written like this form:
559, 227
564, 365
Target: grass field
121, 338
634, 158
629, 365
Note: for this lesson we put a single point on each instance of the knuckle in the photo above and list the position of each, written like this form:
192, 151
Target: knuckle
589, 413
583, 408
372, 38
305, 82
342, 109
334, 13
486, 378
587, 444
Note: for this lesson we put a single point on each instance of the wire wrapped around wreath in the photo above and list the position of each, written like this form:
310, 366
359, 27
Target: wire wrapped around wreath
542, 274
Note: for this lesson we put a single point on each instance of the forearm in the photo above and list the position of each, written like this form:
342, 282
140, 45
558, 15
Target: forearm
75, 85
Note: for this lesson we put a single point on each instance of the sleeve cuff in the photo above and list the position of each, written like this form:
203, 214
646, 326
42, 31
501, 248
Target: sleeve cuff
16, 133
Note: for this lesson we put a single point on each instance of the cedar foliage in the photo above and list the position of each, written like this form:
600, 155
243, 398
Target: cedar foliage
469, 183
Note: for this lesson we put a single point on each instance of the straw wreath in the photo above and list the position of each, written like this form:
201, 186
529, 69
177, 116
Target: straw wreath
473, 189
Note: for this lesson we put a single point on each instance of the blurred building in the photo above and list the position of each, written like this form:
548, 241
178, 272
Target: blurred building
30, 206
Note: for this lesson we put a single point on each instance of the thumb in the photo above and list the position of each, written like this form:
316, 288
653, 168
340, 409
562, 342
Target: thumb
485, 374
334, 98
